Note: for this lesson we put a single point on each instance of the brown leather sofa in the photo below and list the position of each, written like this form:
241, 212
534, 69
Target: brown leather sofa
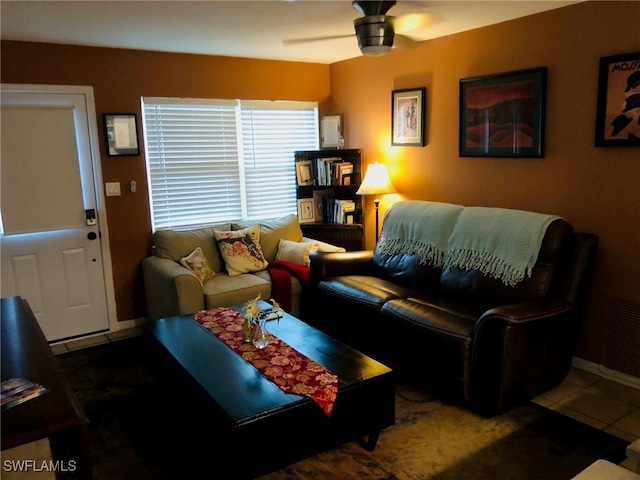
465, 336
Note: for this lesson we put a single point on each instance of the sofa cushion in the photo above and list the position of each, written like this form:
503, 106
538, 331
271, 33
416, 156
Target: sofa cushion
241, 250
406, 269
363, 290
433, 314
440, 334
197, 263
223, 290
272, 231
175, 244
295, 252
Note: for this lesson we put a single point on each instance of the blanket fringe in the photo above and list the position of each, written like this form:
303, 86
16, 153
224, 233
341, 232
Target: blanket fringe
428, 253
487, 264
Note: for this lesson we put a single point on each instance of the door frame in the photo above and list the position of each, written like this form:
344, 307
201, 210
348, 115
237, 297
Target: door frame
87, 92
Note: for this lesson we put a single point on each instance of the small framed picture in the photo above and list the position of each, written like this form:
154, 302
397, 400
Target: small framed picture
407, 117
304, 172
306, 210
502, 115
618, 109
121, 134
331, 131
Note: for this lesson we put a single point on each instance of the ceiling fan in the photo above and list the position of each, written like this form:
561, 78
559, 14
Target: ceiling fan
376, 31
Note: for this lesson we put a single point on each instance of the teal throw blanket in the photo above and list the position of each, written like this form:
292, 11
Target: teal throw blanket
498, 242
420, 227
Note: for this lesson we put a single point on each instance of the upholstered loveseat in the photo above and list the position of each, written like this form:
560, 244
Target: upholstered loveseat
171, 274
447, 299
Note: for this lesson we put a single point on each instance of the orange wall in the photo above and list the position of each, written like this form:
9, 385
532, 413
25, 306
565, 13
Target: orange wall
595, 189
119, 78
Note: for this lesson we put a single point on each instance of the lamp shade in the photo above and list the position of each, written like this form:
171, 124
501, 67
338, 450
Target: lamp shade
376, 181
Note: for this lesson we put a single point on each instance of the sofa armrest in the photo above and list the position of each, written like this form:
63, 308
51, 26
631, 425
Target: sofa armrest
531, 311
520, 351
170, 289
325, 265
323, 246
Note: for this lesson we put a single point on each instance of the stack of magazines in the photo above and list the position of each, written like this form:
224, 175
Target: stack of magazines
18, 390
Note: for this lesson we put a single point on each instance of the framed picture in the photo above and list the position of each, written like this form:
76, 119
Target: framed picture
618, 109
407, 117
306, 210
503, 115
121, 134
304, 172
331, 133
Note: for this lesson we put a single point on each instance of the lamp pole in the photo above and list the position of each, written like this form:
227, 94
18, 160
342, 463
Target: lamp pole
376, 182
376, 202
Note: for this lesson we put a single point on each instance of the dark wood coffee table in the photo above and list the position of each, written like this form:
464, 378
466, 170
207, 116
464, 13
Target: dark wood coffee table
253, 415
56, 414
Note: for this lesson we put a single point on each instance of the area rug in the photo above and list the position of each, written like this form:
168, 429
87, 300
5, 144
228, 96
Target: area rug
134, 433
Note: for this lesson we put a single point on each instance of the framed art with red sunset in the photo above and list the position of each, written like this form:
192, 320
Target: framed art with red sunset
502, 115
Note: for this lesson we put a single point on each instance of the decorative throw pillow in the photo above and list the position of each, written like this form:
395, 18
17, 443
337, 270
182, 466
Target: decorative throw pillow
198, 264
295, 252
272, 230
241, 250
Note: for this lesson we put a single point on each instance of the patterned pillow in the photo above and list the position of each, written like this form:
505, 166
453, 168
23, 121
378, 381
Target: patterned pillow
241, 250
295, 252
198, 264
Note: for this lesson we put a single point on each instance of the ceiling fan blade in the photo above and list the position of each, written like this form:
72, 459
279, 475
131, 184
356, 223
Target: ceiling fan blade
412, 21
297, 41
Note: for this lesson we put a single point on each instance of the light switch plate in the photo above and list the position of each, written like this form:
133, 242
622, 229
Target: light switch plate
113, 189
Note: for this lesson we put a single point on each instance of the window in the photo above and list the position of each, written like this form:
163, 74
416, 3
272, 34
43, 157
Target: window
211, 161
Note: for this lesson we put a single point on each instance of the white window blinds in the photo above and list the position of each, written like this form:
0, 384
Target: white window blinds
210, 161
271, 133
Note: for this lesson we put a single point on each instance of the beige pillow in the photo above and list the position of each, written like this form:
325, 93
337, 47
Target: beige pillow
272, 230
295, 252
241, 250
199, 265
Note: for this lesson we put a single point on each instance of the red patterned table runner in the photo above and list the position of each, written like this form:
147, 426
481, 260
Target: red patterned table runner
290, 370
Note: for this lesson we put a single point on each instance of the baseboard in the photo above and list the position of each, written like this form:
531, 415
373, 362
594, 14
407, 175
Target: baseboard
605, 372
134, 322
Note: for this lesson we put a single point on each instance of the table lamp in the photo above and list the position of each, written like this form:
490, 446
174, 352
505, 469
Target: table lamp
376, 182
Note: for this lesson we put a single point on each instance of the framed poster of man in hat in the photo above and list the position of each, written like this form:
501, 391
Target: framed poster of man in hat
618, 114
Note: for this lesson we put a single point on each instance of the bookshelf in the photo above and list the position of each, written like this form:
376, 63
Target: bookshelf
328, 207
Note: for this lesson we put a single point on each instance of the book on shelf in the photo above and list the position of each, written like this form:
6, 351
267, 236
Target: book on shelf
318, 196
328, 170
19, 390
338, 169
338, 210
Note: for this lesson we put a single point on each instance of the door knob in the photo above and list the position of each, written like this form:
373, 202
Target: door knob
92, 235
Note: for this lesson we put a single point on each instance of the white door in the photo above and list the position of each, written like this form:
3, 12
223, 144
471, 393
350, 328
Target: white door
50, 242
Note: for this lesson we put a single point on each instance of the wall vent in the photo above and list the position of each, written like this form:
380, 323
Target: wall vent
623, 336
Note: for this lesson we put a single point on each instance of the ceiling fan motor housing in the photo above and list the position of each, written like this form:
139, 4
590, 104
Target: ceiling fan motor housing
375, 34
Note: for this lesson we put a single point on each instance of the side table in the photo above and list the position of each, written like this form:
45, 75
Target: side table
56, 414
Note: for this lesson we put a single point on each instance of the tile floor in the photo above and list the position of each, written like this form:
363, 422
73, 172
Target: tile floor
599, 402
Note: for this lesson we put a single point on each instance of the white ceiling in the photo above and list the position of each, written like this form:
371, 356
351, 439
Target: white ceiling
238, 28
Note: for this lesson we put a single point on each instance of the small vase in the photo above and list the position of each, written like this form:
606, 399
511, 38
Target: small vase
260, 334
248, 329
